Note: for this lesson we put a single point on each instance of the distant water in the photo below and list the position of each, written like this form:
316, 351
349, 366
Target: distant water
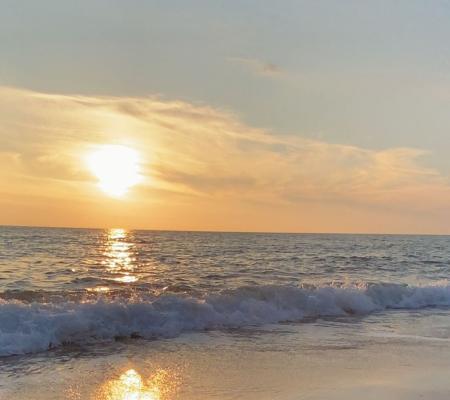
61, 287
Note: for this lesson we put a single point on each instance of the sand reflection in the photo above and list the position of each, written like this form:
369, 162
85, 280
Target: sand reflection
162, 385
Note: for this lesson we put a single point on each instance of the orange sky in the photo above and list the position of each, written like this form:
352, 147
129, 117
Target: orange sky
202, 169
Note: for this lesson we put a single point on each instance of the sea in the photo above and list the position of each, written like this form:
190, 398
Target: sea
158, 315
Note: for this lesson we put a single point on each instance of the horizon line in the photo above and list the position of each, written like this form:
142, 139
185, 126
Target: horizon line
224, 231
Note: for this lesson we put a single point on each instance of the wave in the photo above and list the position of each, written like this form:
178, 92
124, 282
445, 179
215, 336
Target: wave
34, 327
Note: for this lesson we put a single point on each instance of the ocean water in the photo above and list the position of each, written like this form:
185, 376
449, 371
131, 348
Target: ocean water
116, 314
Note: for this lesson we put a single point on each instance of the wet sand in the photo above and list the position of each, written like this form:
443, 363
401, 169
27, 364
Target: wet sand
336, 359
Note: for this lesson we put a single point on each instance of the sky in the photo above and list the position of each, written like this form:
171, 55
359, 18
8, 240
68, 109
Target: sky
296, 116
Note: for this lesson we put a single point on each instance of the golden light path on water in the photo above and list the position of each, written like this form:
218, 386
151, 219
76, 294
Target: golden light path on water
118, 259
118, 256
130, 385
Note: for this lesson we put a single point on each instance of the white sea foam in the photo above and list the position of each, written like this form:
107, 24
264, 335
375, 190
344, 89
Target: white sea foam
27, 328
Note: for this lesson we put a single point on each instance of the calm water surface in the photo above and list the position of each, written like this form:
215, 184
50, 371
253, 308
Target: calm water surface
36, 261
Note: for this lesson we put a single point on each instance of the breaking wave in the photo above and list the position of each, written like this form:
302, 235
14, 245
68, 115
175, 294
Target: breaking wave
33, 327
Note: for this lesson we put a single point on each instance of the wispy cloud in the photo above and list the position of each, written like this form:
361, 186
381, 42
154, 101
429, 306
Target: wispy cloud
202, 158
257, 66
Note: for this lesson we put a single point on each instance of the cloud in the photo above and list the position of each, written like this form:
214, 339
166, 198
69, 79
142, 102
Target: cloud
197, 156
259, 67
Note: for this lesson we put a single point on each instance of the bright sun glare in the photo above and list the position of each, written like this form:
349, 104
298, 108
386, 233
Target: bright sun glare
163, 384
116, 168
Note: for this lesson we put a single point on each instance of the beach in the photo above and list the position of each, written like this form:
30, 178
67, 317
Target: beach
375, 357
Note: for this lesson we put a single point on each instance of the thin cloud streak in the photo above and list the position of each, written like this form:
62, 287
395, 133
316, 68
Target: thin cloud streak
259, 67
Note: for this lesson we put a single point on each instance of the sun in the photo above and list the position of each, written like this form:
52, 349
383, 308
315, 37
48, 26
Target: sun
116, 168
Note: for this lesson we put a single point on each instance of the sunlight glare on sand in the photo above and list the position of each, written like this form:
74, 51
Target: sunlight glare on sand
131, 386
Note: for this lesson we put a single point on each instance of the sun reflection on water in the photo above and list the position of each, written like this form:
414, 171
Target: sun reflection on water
117, 233
118, 255
126, 279
99, 289
162, 385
